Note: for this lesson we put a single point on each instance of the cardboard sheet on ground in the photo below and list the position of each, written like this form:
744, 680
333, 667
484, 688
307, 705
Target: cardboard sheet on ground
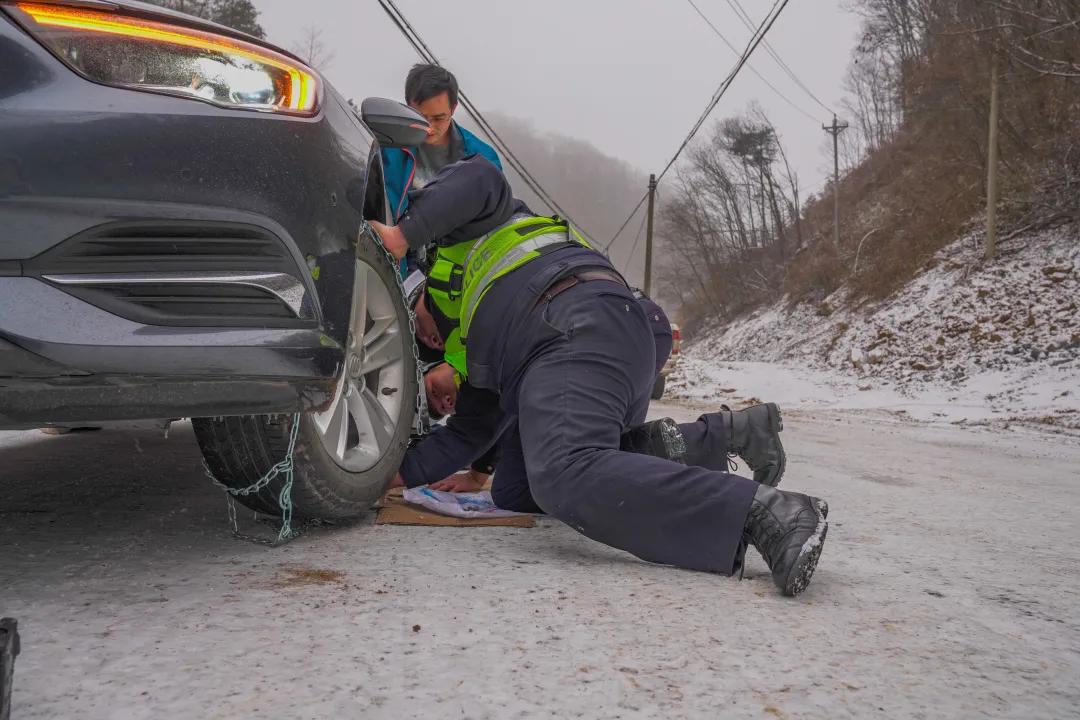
394, 510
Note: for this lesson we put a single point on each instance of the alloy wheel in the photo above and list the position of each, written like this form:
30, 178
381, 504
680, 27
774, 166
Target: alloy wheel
360, 423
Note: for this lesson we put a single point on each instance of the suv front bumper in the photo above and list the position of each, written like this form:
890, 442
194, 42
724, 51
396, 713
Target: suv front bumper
66, 360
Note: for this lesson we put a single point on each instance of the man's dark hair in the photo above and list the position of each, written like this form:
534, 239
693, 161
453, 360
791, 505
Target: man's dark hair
427, 81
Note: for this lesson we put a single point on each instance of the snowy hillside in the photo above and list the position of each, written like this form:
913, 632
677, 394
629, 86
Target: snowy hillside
964, 341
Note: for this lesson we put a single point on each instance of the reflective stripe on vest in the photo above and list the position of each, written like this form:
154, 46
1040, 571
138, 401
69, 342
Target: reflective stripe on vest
499, 252
516, 255
504, 251
446, 278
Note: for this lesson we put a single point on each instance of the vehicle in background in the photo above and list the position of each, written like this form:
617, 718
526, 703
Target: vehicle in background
670, 365
184, 235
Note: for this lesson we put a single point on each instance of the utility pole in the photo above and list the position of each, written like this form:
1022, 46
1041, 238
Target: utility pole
648, 236
835, 129
992, 163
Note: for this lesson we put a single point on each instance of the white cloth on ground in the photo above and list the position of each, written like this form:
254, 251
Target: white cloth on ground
462, 505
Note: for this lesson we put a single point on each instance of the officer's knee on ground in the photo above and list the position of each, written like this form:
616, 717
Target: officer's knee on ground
551, 479
514, 496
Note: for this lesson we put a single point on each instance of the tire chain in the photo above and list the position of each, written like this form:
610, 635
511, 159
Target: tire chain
286, 532
421, 423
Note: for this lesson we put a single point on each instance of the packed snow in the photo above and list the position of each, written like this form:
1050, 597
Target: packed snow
946, 589
964, 342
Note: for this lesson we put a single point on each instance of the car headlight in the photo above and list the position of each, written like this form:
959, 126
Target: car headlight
113, 48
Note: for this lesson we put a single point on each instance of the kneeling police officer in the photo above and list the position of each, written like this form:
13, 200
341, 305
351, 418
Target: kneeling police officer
751, 434
544, 328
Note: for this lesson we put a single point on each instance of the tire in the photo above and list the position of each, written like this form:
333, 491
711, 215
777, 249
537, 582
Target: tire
339, 471
658, 388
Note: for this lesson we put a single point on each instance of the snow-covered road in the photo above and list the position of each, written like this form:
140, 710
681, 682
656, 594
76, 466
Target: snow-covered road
948, 589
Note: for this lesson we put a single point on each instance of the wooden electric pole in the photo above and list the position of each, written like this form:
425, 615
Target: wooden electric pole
835, 129
992, 163
648, 236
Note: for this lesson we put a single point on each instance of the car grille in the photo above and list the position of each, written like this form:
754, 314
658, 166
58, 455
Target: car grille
164, 302
181, 273
160, 246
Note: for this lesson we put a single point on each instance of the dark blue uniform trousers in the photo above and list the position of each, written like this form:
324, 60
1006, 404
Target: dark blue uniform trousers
706, 447
585, 378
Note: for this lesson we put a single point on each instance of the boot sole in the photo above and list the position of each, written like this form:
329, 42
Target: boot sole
776, 424
799, 576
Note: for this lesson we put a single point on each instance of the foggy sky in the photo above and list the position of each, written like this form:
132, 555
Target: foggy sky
628, 77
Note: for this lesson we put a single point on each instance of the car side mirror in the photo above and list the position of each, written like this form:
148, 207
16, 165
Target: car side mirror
394, 124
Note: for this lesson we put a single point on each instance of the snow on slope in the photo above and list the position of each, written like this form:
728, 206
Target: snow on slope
963, 341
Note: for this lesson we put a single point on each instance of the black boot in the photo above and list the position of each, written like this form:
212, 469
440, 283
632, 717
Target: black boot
754, 435
659, 438
788, 529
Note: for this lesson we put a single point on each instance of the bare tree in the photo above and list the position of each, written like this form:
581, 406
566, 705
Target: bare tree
729, 224
874, 95
1041, 37
852, 148
312, 49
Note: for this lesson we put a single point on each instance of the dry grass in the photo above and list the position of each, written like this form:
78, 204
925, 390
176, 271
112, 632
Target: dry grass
926, 187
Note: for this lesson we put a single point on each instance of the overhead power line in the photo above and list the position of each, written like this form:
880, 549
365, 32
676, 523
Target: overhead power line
426, 54
754, 70
637, 239
740, 11
766, 24
626, 222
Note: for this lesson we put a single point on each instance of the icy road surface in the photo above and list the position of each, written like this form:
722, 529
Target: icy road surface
949, 588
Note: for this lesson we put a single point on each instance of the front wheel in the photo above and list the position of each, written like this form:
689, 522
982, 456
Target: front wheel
346, 455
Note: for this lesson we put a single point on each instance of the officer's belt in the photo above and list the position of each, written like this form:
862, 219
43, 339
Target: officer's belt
560, 286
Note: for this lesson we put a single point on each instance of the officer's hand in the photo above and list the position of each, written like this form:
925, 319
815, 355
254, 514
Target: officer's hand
471, 481
397, 482
392, 238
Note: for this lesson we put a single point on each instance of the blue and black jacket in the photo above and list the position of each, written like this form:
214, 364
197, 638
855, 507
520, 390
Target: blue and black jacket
399, 164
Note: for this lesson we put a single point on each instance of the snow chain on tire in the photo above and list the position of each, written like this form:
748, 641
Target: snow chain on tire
287, 532
421, 422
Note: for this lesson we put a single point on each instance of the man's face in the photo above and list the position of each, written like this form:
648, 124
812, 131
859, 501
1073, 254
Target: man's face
437, 111
426, 329
442, 390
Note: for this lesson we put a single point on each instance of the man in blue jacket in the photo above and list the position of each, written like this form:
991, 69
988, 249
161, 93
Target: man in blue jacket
432, 91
